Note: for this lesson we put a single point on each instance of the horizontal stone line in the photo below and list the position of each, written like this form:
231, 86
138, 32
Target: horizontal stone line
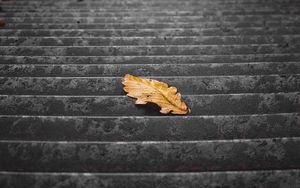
150, 142
36, 15
196, 26
122, 3
142, 16
127, 1
141, 11
174, 9
209, 5
143, 117
147, 2
143, 4
20, 8
273, 54
209, 9
136, 34
151, 56
161, 11
127, 56
233, 12
190, 9
108, 7
148, 64
155, 29
234, 172
129, 5
105, 64
226, 12
124, 96
75, 96
153, 16
168, 44
150, 45
156, 23
119, 77
110, 20
143, 1
2, 34
150, 29
233, 8
88, 2
139, 3
176, 13
200, 26
147, 5
113, 7
146, 37
150, 37
142, 46
266, 17
196, 22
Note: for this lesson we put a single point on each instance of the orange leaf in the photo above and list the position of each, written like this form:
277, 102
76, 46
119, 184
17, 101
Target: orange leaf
148, 90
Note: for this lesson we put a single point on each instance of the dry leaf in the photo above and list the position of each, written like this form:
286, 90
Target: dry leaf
148, 90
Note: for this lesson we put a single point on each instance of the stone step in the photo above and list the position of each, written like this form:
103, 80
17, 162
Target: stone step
119, 70
233, 179
153, 1
160, 8
245, 12
185, 5
148, 50
175, 156
167, 32
213, 10
213, 104
166, 25
156, 19
126, 41
144, 2
145, 128
113, 86
175, 59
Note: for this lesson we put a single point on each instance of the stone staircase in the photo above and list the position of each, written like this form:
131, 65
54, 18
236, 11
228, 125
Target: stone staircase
65, 120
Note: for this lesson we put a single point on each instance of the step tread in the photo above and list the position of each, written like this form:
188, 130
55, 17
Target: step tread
221, 104
175, 156
145, 128
160, 70
126, 41
186, 85
174, 59
148, 50
162, 32
235, 179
